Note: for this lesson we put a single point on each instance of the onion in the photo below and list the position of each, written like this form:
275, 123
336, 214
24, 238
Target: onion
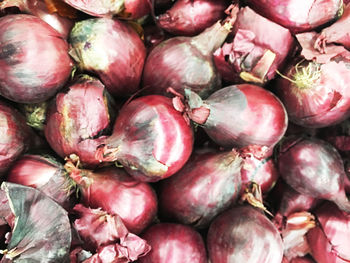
116, 193
150, 139
190, 17
15, 135
186, 62
206, 186
172, 243
299, 260
244, 234
28, 74
132, 9
259, 47
62, 24
44, 173
79, 119
236, 115
263, 172
111, 49
313, 167
298, 16
329, 240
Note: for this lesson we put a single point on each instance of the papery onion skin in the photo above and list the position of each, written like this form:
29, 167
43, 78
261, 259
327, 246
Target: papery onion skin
188, 18
313, 167
131, 9
238, 114
259, 48
78, 120
329, 241
15, 136
111, 49
150, 138
244, 234
28, 74
115, 192
172, 243
207, 185
44, 173
296, 17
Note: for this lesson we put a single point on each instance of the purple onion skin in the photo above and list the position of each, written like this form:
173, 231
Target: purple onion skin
298, 18
43, 173
15, 136
244, 234
207, 185
185, 62
189, 18
115, 192
111, 49
132, 9
28, 74
78, 119
324, 101
239, 113
329, 240
314, 168
150, 139
263, 172
173, 243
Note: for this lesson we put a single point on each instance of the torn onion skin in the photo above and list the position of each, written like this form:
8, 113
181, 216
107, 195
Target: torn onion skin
298, 17
116, 193
79, 119
173, 242
207, 185
29, 75
150, 138
244, 232
329, 240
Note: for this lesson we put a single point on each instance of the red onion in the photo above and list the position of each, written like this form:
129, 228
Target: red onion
44, 173
173, 243
186, 62
236, 115
116, 193
132, 9
207, 185
111, 49
258, 49
28, 74
336, 33
298, 16
39, 8
79, 119
150, 139
244, 234
263, 172
299, 260
316, 93
338, 135
313, 167
190, 17
329, 240
15, 134
98, 229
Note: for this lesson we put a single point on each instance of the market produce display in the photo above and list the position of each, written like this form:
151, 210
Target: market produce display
174, 131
